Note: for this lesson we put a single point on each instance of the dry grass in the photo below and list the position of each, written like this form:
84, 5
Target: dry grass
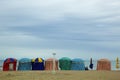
60, 75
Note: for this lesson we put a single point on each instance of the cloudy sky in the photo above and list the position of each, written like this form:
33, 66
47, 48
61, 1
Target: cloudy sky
72, 28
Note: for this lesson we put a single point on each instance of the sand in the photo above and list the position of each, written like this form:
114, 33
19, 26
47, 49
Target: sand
60, 75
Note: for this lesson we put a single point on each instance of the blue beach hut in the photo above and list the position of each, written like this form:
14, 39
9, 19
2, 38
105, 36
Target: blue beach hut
77, 64
24, 64
38, 64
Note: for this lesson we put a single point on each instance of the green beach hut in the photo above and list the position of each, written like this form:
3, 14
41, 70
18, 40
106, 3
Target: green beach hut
65, 63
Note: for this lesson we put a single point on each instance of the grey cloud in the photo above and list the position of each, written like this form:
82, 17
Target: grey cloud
65, 25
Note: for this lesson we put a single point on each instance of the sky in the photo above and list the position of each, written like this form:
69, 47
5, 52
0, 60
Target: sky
69, 28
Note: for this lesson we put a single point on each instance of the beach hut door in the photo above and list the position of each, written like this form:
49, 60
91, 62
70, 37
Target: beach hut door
11, 66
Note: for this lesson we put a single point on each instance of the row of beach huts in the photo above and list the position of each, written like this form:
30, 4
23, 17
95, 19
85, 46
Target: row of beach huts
65, 63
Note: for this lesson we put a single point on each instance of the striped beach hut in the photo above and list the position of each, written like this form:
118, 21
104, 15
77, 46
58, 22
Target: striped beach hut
49, 64
25, 64
38, 64
10, 64
65, 63
103, 64
77, 64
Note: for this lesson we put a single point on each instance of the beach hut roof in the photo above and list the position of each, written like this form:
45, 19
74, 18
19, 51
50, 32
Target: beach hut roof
38, 60
65, 58
104, 59
51, 59
77, 60
8, 60
24, 60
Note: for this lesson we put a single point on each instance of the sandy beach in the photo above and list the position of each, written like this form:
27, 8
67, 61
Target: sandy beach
60, 75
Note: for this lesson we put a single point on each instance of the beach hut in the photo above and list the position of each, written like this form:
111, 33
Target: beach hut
24, 64
103, 64
9, 64
49, 64
77, 64
65, 63
38, 64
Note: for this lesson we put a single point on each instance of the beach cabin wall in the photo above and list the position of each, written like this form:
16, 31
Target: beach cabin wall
103, 64
65, 63
38, 64
49, 64
77, 64
10, 64
25, 64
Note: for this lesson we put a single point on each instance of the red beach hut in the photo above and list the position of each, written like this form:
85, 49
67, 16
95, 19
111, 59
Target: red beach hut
49, 64
103, 64
9, 64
